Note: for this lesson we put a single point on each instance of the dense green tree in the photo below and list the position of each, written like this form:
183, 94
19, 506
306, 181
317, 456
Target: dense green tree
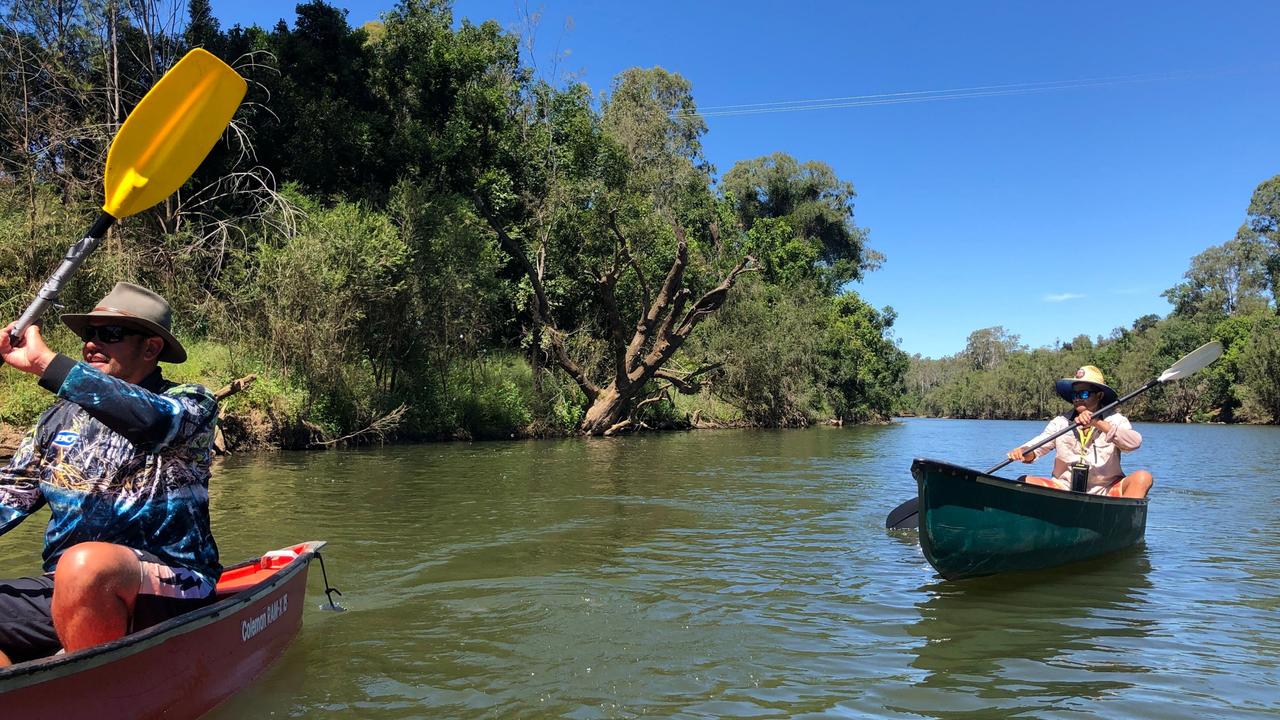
327, 131
652, 116
985, 349
1224, 280
773, 378
1264, 224
1260, 369
202, 27
818, 209
865, 370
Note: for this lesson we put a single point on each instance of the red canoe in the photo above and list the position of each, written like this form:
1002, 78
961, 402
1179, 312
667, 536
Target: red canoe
178, 669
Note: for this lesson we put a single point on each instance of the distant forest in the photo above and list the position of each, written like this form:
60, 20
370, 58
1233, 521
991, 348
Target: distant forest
1228, 294
409, 234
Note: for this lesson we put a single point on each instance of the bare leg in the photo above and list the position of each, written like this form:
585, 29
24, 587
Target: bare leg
1033, 480
4, 660
1136, 484
94, 588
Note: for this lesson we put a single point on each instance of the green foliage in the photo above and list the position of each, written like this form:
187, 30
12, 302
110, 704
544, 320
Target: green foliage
274, 410
329, 131
651, 114
770, 342
1260, 368
319, 289
448, 225
792, 358
24, 400
490, 399
1263, 224
1224, 280
817, 206
864, 369
36, 228
785, 258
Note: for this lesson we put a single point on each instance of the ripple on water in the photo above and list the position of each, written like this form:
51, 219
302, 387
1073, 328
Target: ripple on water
747, 574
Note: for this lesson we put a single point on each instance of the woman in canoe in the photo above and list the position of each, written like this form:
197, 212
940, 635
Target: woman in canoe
1092, 453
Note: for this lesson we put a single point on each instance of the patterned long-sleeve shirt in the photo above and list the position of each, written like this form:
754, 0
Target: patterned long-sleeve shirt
120, 463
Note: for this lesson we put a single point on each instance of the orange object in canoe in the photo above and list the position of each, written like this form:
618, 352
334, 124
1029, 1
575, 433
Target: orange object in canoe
181, 668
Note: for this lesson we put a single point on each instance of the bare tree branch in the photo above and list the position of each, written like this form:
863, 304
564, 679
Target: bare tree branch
379, 428
670, 340
668, 294
608, 284
235, 386
627, 255
714, 299
541, 308
686, 382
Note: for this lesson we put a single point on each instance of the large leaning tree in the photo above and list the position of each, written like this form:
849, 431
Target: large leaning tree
610, 218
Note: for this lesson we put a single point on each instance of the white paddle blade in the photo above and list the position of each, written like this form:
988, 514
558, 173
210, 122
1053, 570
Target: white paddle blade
1195, 361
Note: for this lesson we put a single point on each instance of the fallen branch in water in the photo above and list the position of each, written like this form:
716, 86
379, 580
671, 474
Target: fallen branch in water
378, 428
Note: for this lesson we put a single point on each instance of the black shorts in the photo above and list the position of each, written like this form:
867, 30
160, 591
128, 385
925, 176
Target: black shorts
26, 626
26, 612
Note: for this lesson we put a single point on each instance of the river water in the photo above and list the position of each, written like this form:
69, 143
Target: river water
747, 574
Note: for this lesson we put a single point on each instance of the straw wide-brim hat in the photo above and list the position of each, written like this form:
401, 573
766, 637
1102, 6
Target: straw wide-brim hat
1089, 375
136, 307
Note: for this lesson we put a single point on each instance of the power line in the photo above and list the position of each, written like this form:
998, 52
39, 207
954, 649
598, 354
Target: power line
919, 96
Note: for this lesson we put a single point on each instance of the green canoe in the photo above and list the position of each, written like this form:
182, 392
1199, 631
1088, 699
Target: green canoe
977, 524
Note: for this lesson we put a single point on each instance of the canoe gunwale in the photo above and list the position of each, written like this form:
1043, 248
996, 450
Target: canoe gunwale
1022, 487
57, 666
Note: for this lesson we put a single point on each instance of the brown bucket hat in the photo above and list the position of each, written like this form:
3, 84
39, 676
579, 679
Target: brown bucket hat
136, 307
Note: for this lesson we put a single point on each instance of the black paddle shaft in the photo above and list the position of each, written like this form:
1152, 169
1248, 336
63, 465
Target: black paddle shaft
48, 294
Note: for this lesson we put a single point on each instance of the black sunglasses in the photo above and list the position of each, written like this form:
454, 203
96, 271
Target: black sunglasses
107, 334
1082, 394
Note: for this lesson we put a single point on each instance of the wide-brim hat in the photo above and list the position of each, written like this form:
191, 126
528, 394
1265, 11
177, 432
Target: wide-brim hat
1088, 375
136, 307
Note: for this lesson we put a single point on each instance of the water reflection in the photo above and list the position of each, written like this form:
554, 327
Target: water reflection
1029, 641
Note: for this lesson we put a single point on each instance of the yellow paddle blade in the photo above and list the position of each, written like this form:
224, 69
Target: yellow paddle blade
170, 132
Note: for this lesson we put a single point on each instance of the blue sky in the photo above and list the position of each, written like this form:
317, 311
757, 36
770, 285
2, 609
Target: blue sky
1127, 139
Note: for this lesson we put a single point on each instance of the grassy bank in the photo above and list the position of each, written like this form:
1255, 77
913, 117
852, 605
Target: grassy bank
491, 397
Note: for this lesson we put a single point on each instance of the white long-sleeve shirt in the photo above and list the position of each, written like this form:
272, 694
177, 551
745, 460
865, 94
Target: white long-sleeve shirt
1102, 454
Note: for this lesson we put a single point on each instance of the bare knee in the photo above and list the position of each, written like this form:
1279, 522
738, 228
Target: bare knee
94, 589
1138, 484
93, 572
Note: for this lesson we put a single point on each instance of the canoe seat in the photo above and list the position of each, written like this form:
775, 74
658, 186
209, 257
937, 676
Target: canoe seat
246, 575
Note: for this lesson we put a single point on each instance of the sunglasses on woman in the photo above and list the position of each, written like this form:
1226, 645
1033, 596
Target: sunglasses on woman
107, 334
1083, 394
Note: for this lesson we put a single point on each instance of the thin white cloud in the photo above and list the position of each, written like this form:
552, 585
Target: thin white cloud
1063, 297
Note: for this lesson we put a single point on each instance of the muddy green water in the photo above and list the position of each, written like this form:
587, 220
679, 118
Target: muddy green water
746, 574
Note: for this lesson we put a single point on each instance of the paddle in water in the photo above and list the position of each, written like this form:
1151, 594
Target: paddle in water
160, 145
907, 515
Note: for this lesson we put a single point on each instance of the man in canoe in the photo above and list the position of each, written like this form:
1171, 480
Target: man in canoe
122, 460
1092, 452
